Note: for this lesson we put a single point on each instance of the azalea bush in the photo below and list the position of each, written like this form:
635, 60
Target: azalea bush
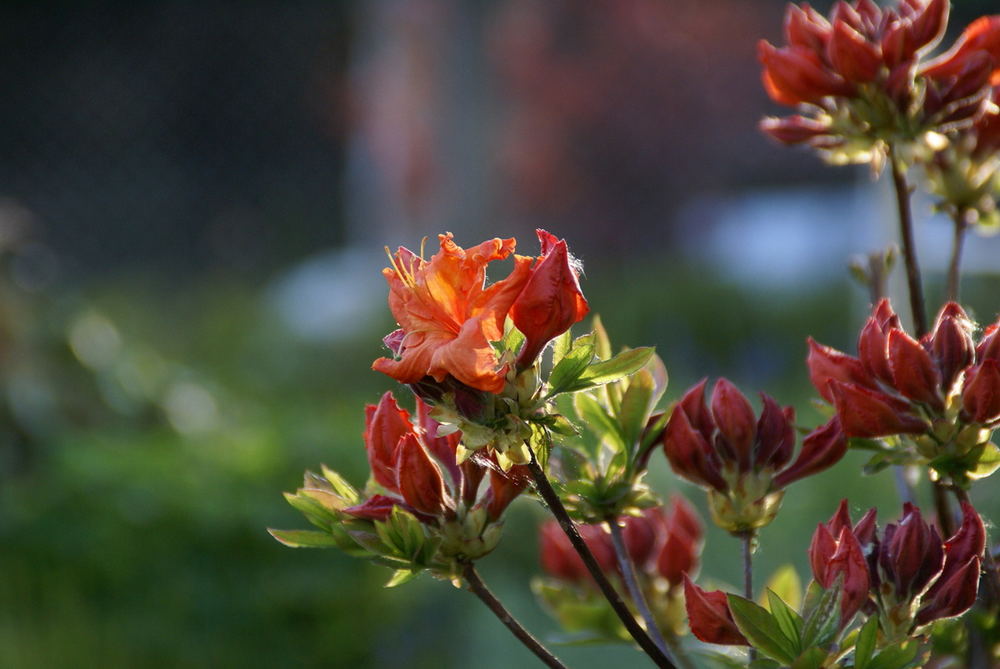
499, 399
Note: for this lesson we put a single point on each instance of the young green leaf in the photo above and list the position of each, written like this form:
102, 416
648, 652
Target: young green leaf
565, 375
401, 576
788, 620
303, 538
635, 406
813, 658
602, 348
598, 421
761, 629
821, 621
895, 657
864, 648
623, 364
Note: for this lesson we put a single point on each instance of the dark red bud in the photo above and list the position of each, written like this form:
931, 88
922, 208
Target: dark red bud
873, 351
795, 74
981, 395
868, 413
505, 487
849, 560
775, 435
557, 556
419, 478
681, 517
736, 421
693, 405
914, 554
805, 27
678, 558
866, 528
376, 507
827, 364
982, 35
641, 534
821, 449
442, 448
913, 372
551, 301
989, 345
956, 595
385, 425
951, 344
689, 453
709, 616
929, 23
821, 549
855, 58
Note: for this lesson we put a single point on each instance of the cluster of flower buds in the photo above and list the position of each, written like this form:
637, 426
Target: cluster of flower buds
943, 390
909, 577
743, 461
451, 322
863, 80
418, 485
966, 174
664, 544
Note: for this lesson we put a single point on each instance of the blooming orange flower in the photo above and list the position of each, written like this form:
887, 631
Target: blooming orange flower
447, 314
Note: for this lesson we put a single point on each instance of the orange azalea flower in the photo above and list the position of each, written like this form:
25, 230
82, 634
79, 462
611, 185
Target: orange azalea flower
447, 314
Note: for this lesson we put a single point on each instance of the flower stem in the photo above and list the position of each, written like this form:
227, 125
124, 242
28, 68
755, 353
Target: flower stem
627, 568
555, 505
479, 589
747, 539
954, 266
916, 291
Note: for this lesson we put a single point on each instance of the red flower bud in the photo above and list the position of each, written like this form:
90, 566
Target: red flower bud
822, 448
806, 27
951, 344
827, 364
913, 372
736, 423
641, 534
442, 448
967, 543
419, 478
681, 517
981, 396
385, 425
376, 507
551, 300
873, 343
689, 453
911, 554
983, 34
956, 596
854, 57
794, 74
841, 558
928, 24
560, 560
775, 435
989, 344
794, 129
709, 616
869, 413
680, 553
505, 487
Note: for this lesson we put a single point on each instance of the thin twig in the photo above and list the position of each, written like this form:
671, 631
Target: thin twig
909, 248
747, 539
627, 568
479, 589
555, 505
954, 266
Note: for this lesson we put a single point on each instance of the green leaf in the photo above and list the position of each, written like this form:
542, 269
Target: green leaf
761, 629
895, 657
821, 622
401, 576
597, 420
988, 462
786, 584
513, 338
620, 366
303, 538
811, 659
602, 343
635, 406
561, 346
865, 646
340, 486
661, 379
565, 375
788, 620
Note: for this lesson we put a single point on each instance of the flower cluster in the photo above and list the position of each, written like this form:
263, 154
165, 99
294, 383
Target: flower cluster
742, 460
421, 508
908, 577
451, 320
863, 81
943, 390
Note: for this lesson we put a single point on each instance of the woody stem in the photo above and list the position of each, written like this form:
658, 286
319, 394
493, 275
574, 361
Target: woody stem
747, 539
954, 266
557, 509
479, 589
631, 578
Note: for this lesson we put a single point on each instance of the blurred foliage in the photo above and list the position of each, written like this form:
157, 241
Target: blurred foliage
149, 429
